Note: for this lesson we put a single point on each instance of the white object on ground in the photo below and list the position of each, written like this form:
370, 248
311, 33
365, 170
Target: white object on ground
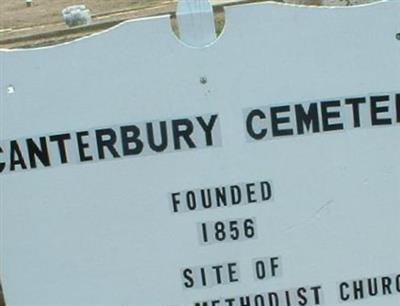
76, 15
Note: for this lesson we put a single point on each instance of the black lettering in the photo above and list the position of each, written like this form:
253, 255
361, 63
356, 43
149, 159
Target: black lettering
250, 193
191, 200
260, 270
218, 276
184, 133
358, 290
375, 110
245, 301
175, 201
34, 152
203, 277
188, 276
398, 283
106, 138
327, 115
309, 118
259, 300
277, 120
301, 293
372, 286
266, 191
317, 294
355, 103
82, 146
386, 284
232, 271
16, 157
163, 135
250, 127
287, 295
398, 107
274, 265
206, 198
343, 295
2, 164
207, 128
230, 301
60, 139
220, 195
273, 299
130, 135
236, 195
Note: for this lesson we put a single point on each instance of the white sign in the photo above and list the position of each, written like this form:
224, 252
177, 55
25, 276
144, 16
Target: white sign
261, 170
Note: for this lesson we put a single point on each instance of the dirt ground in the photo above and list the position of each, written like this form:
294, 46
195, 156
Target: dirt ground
15, 14
19, 21
42, 23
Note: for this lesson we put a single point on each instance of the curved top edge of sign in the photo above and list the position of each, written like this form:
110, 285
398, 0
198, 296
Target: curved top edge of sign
162, 22
353, 6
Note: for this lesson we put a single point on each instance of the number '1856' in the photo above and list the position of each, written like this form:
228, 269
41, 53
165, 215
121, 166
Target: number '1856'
227, 230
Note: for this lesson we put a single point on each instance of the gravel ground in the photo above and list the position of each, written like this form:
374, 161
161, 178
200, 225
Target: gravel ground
15, 14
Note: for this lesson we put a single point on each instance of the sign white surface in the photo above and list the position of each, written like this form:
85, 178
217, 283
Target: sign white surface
139, 171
